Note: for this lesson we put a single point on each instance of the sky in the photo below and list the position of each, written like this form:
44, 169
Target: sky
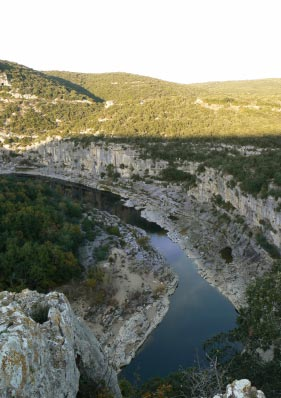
184, 41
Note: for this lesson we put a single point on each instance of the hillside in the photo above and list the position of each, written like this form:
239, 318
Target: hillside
200, 160
149, 106
34, 105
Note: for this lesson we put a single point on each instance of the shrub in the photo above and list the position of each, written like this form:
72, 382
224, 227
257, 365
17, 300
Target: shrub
200, 169
172, 174
143, 242
114, 230
226, 254
101, 252
272, 250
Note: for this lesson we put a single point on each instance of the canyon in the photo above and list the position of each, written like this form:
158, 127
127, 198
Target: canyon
232, 237
213, 222
204, 226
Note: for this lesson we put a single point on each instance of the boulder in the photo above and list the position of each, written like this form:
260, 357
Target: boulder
45, 351
241, 389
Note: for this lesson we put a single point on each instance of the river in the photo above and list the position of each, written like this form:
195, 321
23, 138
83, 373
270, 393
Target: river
197, 310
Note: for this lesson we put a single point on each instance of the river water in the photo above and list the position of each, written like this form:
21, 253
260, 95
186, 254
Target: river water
197, 310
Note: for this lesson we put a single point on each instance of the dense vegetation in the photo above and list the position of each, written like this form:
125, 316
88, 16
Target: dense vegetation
39, 236
120, 104
258, 327
35, 104
26, 81
208, 123
146, 106
256, 169
253, 163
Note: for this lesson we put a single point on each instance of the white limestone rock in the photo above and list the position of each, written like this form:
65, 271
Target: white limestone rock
241, 389
136, 330
194, 227
44, 358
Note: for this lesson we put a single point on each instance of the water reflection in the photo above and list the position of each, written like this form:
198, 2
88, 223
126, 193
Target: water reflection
197, 312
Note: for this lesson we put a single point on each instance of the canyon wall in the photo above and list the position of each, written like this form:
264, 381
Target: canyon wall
93, 160
193, 217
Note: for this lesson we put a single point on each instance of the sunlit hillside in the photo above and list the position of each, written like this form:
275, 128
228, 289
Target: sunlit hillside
143, 105
36, 104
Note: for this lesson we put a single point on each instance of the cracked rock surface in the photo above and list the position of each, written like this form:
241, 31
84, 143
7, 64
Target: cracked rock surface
45, 349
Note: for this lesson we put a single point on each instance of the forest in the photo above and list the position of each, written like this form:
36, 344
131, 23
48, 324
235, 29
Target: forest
39, 236
41, 229
233, 127
40, 104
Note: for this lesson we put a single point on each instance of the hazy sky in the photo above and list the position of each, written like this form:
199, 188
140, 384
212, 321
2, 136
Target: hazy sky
177, 40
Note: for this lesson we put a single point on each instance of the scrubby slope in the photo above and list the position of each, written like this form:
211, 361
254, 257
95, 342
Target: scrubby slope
34, 105
142, 105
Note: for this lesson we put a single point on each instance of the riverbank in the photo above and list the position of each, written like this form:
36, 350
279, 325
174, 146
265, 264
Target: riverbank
205, 229
201, 231
197, 312
138, 283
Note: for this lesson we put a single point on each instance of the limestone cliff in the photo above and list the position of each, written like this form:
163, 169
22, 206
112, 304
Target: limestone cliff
203, 229
45, 351
93, 160
257, 212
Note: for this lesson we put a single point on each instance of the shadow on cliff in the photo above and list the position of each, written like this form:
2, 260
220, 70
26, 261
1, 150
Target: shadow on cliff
253, 162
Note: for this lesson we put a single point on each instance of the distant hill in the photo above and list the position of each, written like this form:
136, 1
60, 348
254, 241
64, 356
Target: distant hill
150, 106
36, 104
27, 81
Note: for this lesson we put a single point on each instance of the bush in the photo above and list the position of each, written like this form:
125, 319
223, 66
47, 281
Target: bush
172, 174
101, 252
226, 254
143, 242
272, 250
114, 230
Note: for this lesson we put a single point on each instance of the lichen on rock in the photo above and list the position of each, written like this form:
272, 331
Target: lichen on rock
46, 359
241, 389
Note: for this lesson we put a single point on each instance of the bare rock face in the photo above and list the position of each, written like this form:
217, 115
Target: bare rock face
45, 349
203, 229
241, 389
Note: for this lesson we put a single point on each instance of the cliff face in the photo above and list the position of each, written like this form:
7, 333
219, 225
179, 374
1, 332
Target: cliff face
45, 350
257, 212
192, 218
93, 160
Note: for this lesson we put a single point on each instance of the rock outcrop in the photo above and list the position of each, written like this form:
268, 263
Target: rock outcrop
45, 351
4, 80
241, 389
202, 228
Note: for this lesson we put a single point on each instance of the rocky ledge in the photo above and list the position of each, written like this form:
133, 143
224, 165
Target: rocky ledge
138, 287
207, 220
241, 389
45, 351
